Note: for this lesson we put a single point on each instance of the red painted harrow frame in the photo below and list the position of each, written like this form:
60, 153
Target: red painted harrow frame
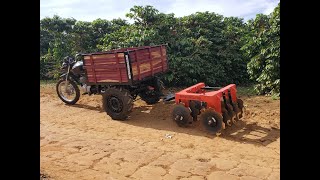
216, 108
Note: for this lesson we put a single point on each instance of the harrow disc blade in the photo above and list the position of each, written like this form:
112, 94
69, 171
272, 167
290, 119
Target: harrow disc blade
236, 110
241, 107
181, 115
195, 107
232, 114
211, 120
226, 118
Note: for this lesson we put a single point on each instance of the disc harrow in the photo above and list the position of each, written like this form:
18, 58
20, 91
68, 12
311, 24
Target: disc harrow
217, 107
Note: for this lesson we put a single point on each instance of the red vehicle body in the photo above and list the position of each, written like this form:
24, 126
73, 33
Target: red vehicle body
127, 66
212, 98
216, 108
118, 75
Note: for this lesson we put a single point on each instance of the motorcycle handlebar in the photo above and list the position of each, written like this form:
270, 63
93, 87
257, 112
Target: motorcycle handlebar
71, 60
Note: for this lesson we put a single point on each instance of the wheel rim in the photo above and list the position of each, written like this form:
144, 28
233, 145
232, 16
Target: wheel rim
229, 122
115, 104
211, 121
181, 115
180, 120
67, 91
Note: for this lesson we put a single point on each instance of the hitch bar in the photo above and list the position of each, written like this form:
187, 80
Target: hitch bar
169, 97
211, 88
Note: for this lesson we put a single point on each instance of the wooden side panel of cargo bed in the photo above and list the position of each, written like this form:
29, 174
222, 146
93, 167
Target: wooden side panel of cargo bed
147, 62
106, 68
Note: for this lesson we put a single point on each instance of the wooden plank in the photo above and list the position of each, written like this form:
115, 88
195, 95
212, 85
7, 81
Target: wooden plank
94, 73
103, 56
132, 56
146, 74
161, 58
145, 67
109, 75
106, 66
106, 79
138, 65
166, 63
118, 69
151, 67
110, 66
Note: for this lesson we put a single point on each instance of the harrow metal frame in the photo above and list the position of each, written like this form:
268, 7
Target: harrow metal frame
213, 98
217, 108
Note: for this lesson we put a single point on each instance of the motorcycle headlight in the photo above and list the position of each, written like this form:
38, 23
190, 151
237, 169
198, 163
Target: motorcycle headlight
64, 65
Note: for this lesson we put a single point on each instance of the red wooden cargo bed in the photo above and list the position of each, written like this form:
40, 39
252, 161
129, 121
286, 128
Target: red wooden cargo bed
125, 66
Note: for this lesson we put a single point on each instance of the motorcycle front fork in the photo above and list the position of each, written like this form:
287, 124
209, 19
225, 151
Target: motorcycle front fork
67, 79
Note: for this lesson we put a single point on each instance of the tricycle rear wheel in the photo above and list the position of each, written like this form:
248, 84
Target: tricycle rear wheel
152, 96
117, 102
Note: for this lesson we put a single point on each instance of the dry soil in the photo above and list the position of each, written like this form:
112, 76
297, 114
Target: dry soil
83, 142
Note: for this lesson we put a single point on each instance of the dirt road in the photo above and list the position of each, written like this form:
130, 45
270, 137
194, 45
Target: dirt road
82, 142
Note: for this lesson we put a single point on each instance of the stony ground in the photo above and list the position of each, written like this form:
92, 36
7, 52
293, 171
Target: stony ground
82, 142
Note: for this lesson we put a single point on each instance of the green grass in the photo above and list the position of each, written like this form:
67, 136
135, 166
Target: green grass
249, 91
47, 83
246, 90
276, 96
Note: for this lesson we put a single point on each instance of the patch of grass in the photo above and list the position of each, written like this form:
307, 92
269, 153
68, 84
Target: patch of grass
275, 96
249, 91
246, 90
47, 82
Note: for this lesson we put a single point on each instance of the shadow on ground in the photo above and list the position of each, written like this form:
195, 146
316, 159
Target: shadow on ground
84, 106
158, 117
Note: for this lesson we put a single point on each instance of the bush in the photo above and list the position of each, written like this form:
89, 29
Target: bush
202, 47
263, 49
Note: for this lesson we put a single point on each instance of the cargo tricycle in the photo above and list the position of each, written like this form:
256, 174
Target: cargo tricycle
118, 75
123, 74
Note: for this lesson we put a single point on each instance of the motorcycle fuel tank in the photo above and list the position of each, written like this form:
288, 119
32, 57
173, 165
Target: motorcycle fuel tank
77, 67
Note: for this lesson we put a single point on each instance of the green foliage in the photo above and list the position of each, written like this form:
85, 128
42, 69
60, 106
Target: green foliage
143, 16
46, 67
202, 47
263, 49
128, 36
64, 37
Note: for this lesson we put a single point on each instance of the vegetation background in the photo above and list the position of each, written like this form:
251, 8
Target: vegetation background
202, 47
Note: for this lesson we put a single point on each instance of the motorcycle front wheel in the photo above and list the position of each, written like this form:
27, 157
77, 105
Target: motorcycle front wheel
68, 91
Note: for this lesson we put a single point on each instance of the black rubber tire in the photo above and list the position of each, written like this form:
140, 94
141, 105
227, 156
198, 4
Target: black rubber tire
75, 100
124, 98
150, 99
206, 116
180, 111
156, 94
